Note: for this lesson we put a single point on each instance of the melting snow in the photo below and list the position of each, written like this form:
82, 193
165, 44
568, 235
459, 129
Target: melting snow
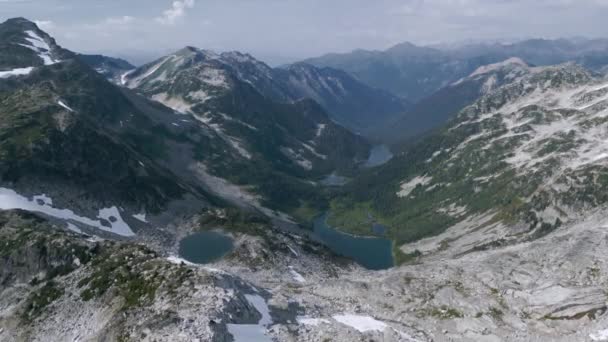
260, 304
292, 250
16, 72
137, 80
40, 46
73, 228
496, 66
320, 129
62, 104
214, 77
123, 77
140, 217
408, 187
361, 323
253, 332
118, 225
176, 103
312, 321
601, 335
9, 199
248, 333
297, 158
178, 261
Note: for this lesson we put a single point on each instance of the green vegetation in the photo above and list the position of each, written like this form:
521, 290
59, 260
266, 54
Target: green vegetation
40, 299
234, 220
123, 269
405, 258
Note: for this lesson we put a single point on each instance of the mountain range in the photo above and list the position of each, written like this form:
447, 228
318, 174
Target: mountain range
415, 72
64, 126
491, 212
347, 101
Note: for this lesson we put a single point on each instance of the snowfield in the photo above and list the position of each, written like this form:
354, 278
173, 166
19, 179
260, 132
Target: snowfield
10, 199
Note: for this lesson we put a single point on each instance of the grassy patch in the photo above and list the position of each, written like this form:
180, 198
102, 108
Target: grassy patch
40, 299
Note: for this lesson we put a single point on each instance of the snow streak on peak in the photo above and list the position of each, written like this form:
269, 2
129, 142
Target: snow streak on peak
40, 46
513, 61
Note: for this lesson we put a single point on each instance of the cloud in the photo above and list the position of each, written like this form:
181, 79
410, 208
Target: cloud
177, 10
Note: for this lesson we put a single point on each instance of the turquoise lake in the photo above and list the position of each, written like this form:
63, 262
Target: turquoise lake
205, 247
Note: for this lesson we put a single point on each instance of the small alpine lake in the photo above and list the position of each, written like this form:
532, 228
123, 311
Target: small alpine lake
370, 252
205, 247
379, 155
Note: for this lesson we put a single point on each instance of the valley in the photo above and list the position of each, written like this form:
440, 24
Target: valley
206, 196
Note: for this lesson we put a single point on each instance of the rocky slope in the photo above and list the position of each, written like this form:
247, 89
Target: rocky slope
520, 161
60, 286
346, 100
111, 68
435, 110
297, 137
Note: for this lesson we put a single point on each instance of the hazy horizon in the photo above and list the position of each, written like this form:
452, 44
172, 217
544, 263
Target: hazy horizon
282, 31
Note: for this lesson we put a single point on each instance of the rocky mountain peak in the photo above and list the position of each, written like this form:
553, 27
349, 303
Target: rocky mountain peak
24, 46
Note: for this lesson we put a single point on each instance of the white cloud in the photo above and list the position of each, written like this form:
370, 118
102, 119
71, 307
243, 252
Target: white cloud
177, 10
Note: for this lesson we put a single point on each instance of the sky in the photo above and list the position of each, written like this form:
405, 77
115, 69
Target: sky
281, 31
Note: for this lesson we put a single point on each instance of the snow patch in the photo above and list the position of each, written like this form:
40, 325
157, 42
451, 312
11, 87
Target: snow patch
16, 72
178, 261
497, 66
312, 321
297, 158
361, 323
73, 228
176, 103
253, 332
118, 226
408, 187
62, 104
320, 130
601, 335
40, 46
140, 217
10, 199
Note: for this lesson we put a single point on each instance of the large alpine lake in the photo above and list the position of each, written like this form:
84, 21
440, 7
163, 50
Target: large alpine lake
370, 252
373, 253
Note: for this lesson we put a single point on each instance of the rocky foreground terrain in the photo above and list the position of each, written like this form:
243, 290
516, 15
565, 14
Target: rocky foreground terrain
60, 286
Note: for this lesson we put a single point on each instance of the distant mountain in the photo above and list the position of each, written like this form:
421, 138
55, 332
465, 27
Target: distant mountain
352, 103
415, 72
201, 83
434, 111
91, 148
110, 67
279, 145
347, 101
